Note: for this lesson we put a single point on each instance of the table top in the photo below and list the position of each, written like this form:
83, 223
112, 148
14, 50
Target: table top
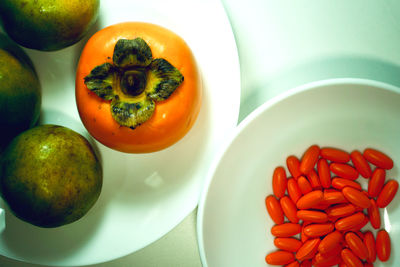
282, 44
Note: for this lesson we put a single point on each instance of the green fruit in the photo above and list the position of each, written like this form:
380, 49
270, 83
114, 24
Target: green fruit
48, 25
20, 94
50, 176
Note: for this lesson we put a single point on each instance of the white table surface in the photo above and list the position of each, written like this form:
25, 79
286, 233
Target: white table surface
283, 44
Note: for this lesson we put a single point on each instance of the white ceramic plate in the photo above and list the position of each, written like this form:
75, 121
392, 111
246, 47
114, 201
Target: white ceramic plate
144, 196
233, 224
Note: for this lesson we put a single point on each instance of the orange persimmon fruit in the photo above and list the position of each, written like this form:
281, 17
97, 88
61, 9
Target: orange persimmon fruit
171, 117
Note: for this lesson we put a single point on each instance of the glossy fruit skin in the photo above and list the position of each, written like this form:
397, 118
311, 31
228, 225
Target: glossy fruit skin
279, 182
334, 154
361, 164
309, 159
20, 91
50, 176
376, 182
287, 243
279, 257
378, 158
383, 245
172, 118
387, 194
274, 209
48, 25
356, 197
369, 242
356, 245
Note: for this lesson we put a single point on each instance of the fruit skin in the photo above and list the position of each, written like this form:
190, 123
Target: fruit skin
50, 176
20, 91
172, 119
48, 25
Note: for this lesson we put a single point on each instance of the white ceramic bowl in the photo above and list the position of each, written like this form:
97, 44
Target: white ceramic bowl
233, 224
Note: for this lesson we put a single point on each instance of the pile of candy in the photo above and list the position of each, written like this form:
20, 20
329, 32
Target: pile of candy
328, 208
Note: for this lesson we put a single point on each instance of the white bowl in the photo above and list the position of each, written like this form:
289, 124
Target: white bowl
233, 224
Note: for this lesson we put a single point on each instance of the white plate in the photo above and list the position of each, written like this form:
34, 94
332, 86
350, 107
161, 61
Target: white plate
144, 196
233, 224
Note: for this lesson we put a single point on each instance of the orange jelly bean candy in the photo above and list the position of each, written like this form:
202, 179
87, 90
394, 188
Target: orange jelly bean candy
293, 190
383, 245
279, 182
376, 182
387, 194
312, 216
334, 154
304, 185
378, 158
350, 259
324, 173
361, 164
308, 249
274, 209
289, 209
344, 171
341, 210
309, 159
317, 230
332, 196
356, 245
350, 221
293, 264
374, 215
369, 242
330, 242
279, 257
288, 243
310, 200
293, 165
314, 179
340, 183
286, 230
356, 197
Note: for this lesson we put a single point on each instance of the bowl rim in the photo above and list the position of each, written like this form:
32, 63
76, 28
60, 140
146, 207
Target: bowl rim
250, 118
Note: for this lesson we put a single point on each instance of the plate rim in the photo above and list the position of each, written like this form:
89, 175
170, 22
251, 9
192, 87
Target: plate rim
223, 17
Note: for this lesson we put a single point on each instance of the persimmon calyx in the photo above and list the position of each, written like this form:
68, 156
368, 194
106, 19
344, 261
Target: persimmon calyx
134, 82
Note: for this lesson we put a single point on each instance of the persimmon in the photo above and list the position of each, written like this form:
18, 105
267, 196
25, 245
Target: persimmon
138, 87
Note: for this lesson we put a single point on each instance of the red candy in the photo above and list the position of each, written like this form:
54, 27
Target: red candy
329, 212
